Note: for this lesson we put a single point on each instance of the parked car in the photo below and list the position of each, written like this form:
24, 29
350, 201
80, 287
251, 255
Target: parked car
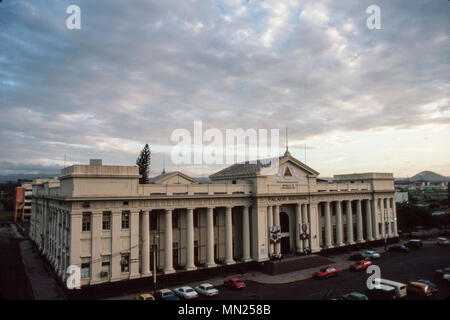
234, 283
442, 241
398, 248
361, 265
326, 272
372, 254
354, 296
145, 296
431, 285
418, 289
414, 244
441, 272
185, 292
166, 294
207, 289
359, 256
381, 292
446, 277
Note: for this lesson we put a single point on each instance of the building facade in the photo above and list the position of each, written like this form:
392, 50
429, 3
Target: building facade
22, 201
101, 219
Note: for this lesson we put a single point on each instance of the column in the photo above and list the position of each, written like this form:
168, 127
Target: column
383, 220
328, 235
368, 221
339, 236
376, 234
276, 222
313, 218
305, 220
190, 265
298, 225
270, 225
349, 222
394, 215
391, 216
245, 235
168, 249
134, 245
228, 236
210, 238
96, 247
359, 223
145, 267
115, 246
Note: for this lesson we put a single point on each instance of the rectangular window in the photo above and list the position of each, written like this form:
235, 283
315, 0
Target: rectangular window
106, 222
125, 262
215, 214
85, 270
106, 265
86, 225
125, 219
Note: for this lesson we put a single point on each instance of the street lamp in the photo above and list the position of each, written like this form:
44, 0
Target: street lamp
154, 260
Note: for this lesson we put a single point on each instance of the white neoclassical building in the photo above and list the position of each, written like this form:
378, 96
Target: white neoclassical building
100, 218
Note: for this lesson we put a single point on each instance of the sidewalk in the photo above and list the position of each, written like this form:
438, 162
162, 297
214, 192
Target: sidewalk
43, 284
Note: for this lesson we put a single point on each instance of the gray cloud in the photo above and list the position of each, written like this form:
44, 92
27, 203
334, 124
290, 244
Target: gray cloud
138, 70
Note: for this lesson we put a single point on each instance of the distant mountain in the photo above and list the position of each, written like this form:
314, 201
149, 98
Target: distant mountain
26, 176
428, 176
424, 176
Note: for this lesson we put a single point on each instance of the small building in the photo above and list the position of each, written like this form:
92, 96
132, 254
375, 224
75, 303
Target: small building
401, 197
22, 201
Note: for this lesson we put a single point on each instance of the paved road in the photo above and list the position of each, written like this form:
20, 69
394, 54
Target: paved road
14, 283
402, 267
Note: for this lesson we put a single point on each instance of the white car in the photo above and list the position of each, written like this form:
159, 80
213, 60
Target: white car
186, 292
443, 241
372, 254
207, 289
446, 277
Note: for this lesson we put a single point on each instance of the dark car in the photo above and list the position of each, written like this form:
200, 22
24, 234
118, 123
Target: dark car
398, 248
354, 296
414, 244
431, 285
382, 292
441, 272
166, 294
359, 256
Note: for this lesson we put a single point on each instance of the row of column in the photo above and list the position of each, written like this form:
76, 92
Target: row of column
388, 217
349, 217
370, 216
190, 265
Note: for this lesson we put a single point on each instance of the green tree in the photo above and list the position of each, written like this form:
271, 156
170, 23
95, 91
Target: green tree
143, 162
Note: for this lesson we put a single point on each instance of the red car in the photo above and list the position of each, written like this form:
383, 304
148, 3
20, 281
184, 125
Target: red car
361, 265
326, 272
234, 283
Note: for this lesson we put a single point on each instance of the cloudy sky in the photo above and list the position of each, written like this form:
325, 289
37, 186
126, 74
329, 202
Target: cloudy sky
361, 100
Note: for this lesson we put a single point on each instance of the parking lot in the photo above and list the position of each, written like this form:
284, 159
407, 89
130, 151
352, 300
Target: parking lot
401, 267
